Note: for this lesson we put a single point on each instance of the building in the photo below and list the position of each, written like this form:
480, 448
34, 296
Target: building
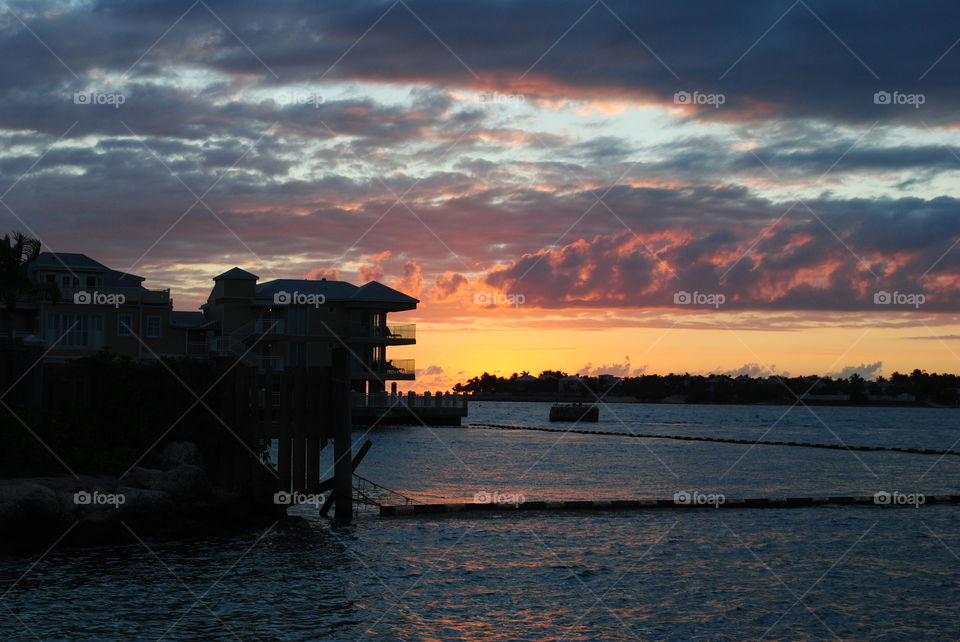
97, 307
295, 322
272, 326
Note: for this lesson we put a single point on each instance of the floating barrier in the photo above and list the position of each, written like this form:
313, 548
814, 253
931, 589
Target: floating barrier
798, 444
657, 504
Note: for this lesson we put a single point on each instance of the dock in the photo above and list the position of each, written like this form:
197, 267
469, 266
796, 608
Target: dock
409, 409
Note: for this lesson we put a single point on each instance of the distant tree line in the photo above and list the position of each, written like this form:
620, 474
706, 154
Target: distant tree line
919, 386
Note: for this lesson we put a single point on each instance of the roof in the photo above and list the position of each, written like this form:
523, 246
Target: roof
376, 291
68, 259
82, 262
236, 273
373, 291
332, 290
187, 319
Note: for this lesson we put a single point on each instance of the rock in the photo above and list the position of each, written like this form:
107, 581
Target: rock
27, 505
179, 453
140, 501
185, 481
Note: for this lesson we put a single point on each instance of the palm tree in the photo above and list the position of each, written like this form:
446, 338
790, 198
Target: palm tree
17, 252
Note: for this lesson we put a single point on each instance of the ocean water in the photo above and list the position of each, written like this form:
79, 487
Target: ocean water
810, 573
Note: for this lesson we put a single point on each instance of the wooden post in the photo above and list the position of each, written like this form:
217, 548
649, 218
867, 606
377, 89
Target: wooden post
340, 421
316, 393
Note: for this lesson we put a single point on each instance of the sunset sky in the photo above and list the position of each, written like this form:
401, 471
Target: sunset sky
551, 180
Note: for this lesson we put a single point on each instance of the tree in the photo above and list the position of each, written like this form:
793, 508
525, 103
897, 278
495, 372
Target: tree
17, 252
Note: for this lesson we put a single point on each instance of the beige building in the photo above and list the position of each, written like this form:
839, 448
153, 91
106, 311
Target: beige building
275, 325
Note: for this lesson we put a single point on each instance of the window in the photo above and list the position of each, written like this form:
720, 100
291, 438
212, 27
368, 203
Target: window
297, 353
68, 281
124, 325
92, 282
297, 321
75, 330
153, 327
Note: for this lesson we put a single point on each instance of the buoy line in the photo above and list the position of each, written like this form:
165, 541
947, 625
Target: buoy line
799, 444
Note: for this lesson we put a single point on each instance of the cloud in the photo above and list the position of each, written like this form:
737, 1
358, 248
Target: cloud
751, 370
867, 371
412, 280
323, 273
616, 369
447, 285
430, 371
374, 271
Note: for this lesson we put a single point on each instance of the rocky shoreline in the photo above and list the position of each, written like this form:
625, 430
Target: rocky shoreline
176, 500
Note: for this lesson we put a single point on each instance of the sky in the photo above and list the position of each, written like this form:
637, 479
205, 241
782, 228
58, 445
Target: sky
596, 187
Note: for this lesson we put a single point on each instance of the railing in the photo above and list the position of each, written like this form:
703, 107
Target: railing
130, 294
383, 400
373, 494
269, 364
405, 332
388, 368
229, 345
258, 327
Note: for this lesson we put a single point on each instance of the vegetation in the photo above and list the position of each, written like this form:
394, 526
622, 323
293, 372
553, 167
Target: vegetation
919, 385
17, 252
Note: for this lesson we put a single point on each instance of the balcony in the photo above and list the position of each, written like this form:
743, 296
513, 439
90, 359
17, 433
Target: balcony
129, 295
402, 369
405, 334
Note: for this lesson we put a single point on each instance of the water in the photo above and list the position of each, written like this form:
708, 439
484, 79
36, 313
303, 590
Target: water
864, 572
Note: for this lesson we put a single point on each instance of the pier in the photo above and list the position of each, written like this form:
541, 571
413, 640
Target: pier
389, 409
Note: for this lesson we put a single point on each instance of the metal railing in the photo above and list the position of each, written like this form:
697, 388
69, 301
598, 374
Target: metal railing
404, 332
373, 494
388, 368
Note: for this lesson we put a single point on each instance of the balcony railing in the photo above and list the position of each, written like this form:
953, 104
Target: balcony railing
269, 364
405, 332
130, 295
389, 369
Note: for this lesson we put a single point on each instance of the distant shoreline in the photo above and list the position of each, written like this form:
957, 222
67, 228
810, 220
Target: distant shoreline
566, 398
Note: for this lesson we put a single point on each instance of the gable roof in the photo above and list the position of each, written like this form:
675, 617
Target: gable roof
82, 262
376, 291
331, 290
335, 291
236, 273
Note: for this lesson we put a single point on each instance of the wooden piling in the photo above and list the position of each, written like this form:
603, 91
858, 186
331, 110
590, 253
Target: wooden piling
340, 420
